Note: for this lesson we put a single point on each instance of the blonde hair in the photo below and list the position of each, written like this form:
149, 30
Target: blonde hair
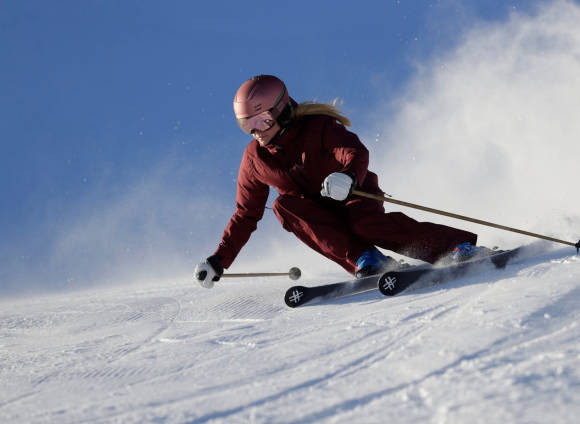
329, 109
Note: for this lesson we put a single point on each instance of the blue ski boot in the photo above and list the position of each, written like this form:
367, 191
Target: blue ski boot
466, 251
373, 262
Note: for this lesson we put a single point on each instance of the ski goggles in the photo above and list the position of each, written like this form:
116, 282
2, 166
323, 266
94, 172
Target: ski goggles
260, 122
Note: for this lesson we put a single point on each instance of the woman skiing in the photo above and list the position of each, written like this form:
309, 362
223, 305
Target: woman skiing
299, 149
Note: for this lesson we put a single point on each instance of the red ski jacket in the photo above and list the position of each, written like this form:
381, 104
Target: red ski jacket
295, 164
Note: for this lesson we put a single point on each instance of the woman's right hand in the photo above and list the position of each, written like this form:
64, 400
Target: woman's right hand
208, 272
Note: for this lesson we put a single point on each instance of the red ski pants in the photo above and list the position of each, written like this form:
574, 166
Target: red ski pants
343, 231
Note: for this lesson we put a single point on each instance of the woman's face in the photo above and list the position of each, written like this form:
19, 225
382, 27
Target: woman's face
264, 137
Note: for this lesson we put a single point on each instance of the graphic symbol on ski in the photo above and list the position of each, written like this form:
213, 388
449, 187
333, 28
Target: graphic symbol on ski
296, 296
388, 283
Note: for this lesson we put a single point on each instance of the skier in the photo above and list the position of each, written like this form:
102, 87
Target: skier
297, 149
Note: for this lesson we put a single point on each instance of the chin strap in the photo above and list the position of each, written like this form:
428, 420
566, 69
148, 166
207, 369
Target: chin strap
272, 142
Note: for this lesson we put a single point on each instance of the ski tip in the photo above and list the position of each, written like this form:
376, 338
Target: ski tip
295, 296
388, 283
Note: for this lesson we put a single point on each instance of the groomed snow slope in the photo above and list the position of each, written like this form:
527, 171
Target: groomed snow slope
497, 347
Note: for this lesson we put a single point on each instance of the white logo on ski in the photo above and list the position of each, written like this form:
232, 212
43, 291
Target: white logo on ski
389, 283
296, 296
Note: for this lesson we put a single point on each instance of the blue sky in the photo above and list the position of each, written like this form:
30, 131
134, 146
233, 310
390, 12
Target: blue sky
95, 96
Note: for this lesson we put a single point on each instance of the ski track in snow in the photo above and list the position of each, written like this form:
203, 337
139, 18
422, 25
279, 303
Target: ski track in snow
493, 347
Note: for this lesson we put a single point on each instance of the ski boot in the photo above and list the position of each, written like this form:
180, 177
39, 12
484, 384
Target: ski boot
467, 251
373, 262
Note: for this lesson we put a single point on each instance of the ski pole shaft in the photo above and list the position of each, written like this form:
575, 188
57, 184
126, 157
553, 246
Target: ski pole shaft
464, 218
294, 274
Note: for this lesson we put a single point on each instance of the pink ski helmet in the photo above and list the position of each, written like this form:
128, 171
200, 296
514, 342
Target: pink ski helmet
263, 94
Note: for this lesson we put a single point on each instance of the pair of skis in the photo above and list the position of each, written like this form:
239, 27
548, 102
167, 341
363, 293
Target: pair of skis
394, 281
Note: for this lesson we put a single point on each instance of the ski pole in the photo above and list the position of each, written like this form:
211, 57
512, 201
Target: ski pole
294, 274
464, 218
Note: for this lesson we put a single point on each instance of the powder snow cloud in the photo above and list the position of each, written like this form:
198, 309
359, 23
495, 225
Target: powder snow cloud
490, 129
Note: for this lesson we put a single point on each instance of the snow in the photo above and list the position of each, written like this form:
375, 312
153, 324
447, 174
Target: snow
499, 346
488, 130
